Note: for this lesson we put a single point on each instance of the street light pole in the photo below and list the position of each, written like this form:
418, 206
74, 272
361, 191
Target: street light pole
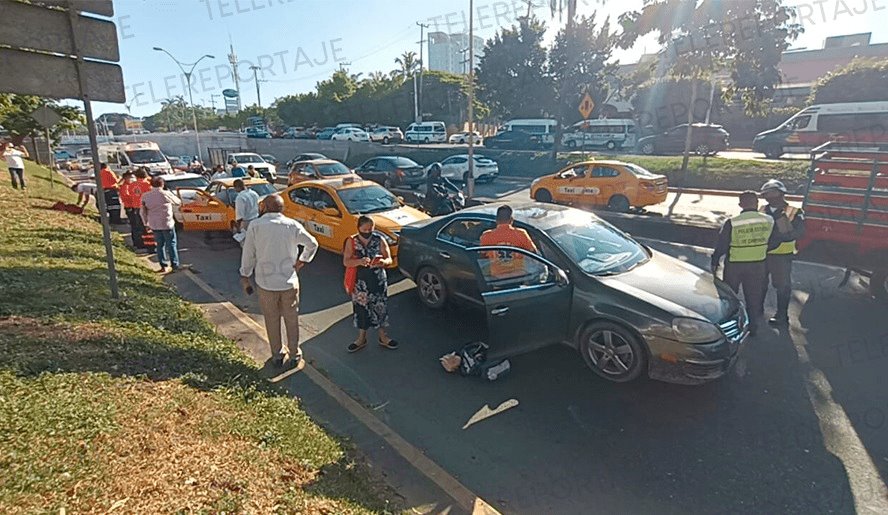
190, 92
256, 79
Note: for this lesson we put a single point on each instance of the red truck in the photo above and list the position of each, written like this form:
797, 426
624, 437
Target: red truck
846, 207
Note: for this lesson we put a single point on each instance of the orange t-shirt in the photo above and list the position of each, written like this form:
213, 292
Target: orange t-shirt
507, 264
131, 193
109, 179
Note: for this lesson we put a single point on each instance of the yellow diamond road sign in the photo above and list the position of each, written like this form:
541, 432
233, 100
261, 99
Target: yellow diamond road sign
586, 106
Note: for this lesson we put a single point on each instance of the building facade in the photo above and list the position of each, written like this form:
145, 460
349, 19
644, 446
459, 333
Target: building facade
450, 52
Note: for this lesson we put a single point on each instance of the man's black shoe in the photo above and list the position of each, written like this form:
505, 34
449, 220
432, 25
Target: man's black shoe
778, 320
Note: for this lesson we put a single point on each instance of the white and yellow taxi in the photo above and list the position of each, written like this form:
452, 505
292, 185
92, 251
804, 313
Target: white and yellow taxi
212, 208
329, 210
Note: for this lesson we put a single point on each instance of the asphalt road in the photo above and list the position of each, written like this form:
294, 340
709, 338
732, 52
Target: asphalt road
799, 426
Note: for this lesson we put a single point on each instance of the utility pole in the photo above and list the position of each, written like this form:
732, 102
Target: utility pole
213, 101
470, 184
232, 59
422, 27
256, 78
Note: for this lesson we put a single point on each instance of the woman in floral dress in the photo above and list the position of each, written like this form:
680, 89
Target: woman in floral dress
370, 254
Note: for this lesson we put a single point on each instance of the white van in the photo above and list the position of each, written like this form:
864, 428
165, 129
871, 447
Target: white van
611, 134
545, 128
857, 122
122, 157
426, 132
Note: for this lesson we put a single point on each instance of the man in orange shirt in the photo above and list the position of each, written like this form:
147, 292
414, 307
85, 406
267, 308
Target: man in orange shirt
503, 263
134, 185
109, 183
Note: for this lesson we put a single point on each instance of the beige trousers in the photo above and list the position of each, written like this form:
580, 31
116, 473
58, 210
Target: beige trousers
276, 305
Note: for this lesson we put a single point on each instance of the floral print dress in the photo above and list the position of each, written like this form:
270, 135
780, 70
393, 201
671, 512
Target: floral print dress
370, 296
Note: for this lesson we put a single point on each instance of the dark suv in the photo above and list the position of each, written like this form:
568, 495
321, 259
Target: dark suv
706, 140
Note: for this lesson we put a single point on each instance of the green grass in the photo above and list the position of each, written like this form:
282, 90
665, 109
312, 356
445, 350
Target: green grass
138, 405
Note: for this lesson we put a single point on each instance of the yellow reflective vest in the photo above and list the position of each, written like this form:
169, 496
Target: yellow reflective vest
750, 231
787, 247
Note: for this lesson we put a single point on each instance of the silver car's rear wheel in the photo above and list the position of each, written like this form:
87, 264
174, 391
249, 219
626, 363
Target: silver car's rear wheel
612, 352
431, 287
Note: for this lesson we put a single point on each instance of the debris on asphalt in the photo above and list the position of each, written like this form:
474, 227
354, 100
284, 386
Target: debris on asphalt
471, 360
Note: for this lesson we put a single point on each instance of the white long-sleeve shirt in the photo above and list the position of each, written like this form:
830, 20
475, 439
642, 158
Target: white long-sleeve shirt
271, 249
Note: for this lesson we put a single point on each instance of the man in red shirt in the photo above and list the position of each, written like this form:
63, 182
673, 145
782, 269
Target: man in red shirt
502, 263
134, 185
109, 184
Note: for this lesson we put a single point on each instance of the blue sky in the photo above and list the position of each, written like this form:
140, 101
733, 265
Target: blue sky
299, 42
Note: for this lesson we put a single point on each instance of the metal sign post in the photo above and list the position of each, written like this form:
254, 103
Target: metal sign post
47, 118
470, 182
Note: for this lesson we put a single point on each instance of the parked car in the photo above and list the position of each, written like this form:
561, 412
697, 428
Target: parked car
457, 168
612, 184
350, 134
325, 133
629, 310
386, 135
270, 159
317, 169
392, 171
211, 208
257, 132
706, 140
245, 159
308, 156
463, 138
177, 164
513, 140
297, 133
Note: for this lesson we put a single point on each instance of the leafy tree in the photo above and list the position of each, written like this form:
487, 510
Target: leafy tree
663, 103
15, 116
338, 87
408, 63
862, 80
511, 74
701, 38
578, 65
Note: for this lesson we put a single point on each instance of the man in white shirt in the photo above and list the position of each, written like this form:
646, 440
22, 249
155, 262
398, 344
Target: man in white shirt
272, 252
15, 162
246, 205
84, 191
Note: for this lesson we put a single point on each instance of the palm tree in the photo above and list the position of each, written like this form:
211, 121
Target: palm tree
408, 63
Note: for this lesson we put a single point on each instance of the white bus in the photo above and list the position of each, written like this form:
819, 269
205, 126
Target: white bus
862, 123
611, 134
543, 127
426, 132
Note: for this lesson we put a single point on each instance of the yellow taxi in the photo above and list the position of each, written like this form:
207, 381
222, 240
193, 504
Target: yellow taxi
329, 210
212, 208
317, 169
615, 185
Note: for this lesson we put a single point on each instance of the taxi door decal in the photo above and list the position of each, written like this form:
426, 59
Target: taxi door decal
579, 190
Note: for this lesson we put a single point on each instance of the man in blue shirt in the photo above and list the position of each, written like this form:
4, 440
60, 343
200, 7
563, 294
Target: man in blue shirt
237, 170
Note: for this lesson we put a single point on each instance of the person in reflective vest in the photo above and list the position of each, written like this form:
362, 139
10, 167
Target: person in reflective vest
745, 239
789, 223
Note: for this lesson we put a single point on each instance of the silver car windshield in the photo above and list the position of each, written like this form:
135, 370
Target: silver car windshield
597, 248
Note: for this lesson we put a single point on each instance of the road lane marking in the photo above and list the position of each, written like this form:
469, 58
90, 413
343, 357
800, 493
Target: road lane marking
422, 463
485, 412
839, 437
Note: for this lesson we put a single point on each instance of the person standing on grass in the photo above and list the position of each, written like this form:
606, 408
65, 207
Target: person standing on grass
134, 186
246, 205
370, 254
272, 253
157, 214
110, 183
15, 157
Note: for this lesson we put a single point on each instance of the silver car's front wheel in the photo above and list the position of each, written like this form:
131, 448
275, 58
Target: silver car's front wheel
432, 291
612, 352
